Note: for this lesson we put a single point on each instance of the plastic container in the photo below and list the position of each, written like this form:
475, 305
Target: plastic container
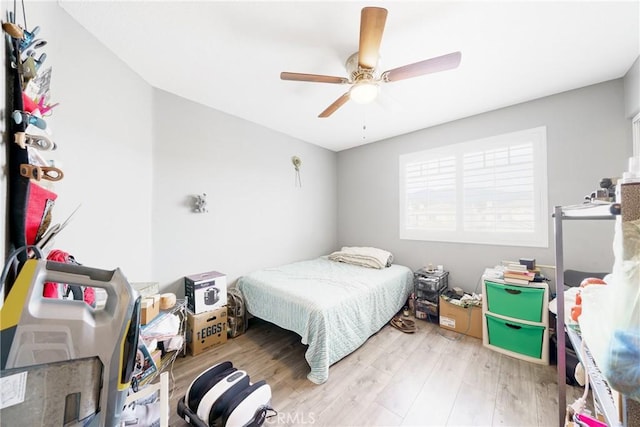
521, 302
431, 281
426, 309
429, 296
515, 336
49, 330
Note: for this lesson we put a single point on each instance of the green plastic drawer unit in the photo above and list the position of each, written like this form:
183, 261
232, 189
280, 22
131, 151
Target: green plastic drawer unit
517, 337
520, 302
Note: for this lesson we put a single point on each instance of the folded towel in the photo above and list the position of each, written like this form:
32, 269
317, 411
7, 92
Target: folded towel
363, 256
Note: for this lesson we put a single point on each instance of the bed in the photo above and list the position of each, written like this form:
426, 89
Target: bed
334, 306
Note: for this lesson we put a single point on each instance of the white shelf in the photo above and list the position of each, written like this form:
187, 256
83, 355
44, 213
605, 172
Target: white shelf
587, 211
180, 310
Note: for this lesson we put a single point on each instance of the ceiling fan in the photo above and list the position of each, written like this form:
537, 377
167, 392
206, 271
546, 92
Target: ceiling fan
361, 66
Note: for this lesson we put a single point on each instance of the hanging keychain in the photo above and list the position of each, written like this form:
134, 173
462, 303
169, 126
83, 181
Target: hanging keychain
49, 173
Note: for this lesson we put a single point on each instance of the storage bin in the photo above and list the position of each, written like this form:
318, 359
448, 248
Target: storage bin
429, 296
431, 281
521, 302
515, 336
426, 309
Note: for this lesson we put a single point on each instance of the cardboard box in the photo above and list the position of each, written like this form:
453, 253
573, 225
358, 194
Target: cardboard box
205, 291
149, 309
206, 330
146, 289
457, 318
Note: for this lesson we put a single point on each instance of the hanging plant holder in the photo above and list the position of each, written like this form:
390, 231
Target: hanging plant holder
297, 162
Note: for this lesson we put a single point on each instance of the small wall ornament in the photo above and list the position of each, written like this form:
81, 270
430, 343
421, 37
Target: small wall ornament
200, 203
297, 162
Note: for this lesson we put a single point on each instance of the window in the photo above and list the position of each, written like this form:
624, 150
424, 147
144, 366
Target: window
490, 191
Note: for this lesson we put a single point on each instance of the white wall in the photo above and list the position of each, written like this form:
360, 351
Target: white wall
588, 138
133, 156
103, 131
257, 216
632, 90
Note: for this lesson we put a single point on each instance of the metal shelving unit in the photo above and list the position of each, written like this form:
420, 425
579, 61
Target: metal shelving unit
180, 310
601, 391
599, 386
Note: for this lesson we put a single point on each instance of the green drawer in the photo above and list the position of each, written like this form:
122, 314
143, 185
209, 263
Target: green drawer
520, 302
517, 337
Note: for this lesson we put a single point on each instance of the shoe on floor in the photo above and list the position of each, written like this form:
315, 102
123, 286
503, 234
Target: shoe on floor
405, 325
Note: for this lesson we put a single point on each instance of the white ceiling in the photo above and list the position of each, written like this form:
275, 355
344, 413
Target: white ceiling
229, 55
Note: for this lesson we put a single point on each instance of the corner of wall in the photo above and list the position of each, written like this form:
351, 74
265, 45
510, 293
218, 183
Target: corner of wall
632, 90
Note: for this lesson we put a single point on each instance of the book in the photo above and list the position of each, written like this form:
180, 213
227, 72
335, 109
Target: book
519, 275
493, 273
514, 281
515, 267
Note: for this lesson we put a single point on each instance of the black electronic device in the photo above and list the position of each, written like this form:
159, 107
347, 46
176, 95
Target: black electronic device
606, 192
211, 296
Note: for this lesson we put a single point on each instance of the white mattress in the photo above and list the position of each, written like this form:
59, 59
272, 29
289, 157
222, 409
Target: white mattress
335, 307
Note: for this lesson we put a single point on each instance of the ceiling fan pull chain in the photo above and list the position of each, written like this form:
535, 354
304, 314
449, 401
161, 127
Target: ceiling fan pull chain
364, 123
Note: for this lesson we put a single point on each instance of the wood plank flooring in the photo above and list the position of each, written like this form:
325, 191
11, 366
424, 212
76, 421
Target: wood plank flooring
431, 378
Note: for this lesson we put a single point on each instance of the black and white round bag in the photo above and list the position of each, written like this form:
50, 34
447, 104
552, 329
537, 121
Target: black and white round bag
223, 396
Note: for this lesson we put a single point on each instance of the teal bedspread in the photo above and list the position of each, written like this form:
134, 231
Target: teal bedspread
335, 307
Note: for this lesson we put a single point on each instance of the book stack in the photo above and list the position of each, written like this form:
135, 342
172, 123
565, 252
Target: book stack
517, 274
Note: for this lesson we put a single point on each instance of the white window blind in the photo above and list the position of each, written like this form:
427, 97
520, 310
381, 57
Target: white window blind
490, 191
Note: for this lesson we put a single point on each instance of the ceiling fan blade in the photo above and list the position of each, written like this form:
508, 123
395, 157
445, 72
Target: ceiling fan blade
336, 104
372, 20
428, 66
316, 78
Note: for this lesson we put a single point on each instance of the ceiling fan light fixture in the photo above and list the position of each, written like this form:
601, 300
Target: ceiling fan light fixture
364, 92
362, 66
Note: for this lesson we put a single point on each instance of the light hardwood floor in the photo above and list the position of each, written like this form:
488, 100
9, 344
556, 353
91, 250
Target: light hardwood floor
433, 377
